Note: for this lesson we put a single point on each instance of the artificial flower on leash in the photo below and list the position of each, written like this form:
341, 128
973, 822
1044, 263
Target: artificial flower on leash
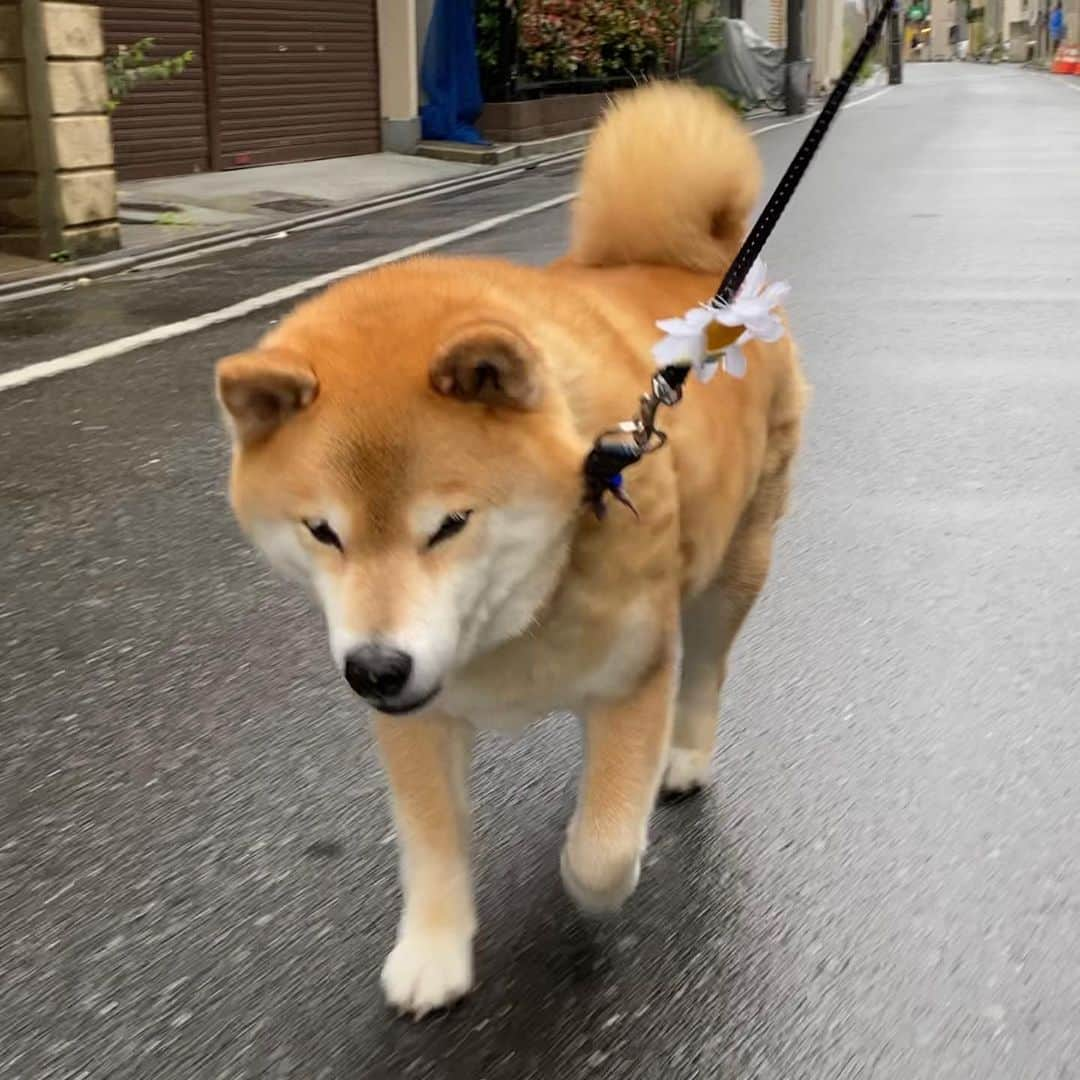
702, 338
706, 337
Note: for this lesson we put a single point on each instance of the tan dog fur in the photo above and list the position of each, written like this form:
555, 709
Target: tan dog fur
438, 386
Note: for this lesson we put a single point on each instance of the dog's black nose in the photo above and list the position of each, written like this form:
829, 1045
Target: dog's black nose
378, 673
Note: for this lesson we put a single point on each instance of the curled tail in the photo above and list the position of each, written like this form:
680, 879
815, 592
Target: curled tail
670, 178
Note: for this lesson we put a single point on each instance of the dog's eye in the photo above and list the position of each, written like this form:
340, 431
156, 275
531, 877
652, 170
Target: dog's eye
323, 533
452, 524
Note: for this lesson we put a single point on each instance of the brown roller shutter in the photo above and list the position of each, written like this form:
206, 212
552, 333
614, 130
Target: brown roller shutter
293, 81
161, 128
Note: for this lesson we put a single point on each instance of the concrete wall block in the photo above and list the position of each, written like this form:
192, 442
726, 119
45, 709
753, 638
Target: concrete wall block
10, 32
401, 136
73, 30
82, 142
82, 241
79, 241
22, 242
16, 151
77, 86
18, 204
87, 196
12, 88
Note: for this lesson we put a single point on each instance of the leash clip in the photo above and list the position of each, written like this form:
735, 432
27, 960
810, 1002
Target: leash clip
613, 451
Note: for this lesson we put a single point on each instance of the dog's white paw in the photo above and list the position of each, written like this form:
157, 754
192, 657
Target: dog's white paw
425, 972
599, 885
687, 771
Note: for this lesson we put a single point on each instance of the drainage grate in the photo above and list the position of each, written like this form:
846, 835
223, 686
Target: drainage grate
298, 205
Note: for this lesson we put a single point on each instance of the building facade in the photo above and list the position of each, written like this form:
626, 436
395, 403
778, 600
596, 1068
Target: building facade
269, 82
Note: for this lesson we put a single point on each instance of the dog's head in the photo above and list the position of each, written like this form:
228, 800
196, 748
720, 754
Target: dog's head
402, 444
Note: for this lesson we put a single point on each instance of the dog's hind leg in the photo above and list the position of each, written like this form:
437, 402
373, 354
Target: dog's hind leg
711, 620
710, 623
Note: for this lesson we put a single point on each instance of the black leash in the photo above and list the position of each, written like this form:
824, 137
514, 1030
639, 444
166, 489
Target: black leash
627, 444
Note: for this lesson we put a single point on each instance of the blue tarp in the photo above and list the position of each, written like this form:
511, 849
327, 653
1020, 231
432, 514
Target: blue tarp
450, 75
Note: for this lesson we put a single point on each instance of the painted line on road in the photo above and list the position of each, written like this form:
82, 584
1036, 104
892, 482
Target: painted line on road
212, 244
815, 115
47, 369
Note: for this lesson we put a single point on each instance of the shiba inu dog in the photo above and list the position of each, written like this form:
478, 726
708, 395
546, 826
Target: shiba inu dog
410, 445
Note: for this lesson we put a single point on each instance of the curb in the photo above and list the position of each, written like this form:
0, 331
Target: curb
500, 153
44, 282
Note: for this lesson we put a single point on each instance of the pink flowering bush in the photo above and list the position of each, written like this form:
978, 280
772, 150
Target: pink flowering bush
565, 39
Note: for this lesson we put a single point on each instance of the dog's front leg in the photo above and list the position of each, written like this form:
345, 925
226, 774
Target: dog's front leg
625, 747
427, 761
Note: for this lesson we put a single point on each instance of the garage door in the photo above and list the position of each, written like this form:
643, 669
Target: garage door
293, 81
161, 128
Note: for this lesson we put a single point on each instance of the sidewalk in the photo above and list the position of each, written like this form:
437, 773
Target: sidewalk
162, 213
164, 210
184, 212
178, 213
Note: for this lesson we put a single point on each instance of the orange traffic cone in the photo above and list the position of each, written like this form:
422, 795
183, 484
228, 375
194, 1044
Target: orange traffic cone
1057, 65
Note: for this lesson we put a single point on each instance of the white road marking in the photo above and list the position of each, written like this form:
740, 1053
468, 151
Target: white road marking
869, 97
815, 115
47, 369
119, 263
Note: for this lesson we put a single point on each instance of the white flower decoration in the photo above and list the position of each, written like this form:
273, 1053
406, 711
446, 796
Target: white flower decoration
685, 340
752, 309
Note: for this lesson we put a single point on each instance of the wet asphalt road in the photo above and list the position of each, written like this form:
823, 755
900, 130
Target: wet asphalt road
196, 862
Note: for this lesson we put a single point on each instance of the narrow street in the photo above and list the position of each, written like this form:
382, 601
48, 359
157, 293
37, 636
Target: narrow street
197, 873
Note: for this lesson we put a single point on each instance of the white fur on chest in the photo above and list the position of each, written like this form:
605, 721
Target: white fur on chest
538, 679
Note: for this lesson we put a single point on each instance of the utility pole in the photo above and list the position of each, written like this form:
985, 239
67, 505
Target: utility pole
797, 81
895, 44
508, 49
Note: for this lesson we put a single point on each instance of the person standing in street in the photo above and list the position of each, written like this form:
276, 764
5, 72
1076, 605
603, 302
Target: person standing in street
1057, 28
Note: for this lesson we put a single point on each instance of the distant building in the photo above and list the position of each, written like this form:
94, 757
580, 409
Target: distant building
823, 32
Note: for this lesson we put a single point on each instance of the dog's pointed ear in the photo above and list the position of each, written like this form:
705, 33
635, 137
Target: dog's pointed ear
492, 365
260, 390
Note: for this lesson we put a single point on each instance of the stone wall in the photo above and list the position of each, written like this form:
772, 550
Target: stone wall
57, 185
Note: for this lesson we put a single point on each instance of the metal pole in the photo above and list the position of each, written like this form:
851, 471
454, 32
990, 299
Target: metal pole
508, 43
797, 82
895, 45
